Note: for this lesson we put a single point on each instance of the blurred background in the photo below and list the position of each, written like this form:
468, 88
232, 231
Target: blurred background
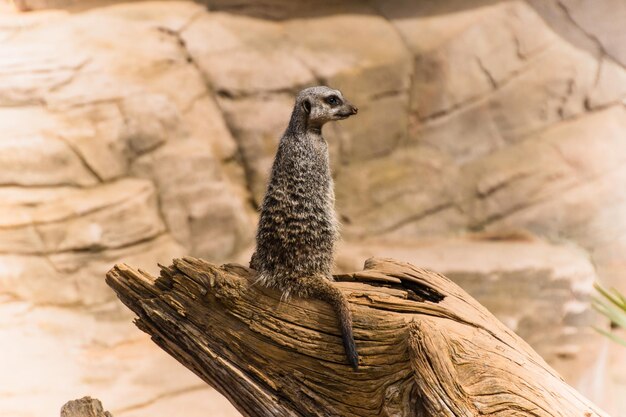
490, 146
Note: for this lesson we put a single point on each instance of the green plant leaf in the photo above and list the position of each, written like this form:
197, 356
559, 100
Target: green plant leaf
609, 311
612, 305
612, 295
610, 335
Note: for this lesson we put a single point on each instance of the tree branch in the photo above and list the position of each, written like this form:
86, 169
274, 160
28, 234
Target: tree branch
427, 348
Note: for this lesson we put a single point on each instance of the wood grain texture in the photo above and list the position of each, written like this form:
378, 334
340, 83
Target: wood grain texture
427, 348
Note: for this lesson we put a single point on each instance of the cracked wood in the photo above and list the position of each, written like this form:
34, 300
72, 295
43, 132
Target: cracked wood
427, 347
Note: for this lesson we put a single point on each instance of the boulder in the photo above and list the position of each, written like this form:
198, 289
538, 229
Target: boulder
569, 185
57, 243
109, 216
610, 34
202, 210
410, 188
73, 278
33, 154
258, 58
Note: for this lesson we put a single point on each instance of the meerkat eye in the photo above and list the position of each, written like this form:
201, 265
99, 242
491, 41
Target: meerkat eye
333, 100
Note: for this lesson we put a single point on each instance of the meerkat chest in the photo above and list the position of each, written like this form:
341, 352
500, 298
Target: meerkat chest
313, 179
302, 185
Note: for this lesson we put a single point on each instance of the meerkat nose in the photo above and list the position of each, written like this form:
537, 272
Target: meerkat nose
354, 110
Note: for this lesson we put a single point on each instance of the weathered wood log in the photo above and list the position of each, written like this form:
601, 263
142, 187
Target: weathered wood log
427, 348
84, 407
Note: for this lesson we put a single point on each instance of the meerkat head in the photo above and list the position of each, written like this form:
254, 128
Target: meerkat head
323, 104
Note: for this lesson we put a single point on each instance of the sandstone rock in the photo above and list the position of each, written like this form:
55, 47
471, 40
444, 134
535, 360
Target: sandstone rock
257, 58
39, 161
57, 243
32, 153
568, 183
258, 123
614, 355
360, 53
283, 9
127, 101
610, 34
171, 15
93, 354
610, 86
96, 134
249, 71
84, 407
410, 186
557, 17
130, 68
28, 5
129, 220
541, 291
10, 25
535, 100
489, 43
476, 126
385, 130
149, 122
199, 206
74, 278
29, 72
110, 216
505, 91
363, 56
205, 123
569, 170
194, 402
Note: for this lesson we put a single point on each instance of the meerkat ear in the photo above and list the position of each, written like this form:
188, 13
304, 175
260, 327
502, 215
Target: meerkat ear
306, 105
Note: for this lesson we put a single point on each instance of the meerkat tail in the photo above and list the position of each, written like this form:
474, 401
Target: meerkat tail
323, 289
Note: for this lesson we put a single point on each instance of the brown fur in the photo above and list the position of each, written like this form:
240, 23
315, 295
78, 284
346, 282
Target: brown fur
298, 228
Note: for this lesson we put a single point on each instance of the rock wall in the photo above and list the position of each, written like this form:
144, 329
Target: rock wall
490, 145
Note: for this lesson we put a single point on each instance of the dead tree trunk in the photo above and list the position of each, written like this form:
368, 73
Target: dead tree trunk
84, 407
427, 348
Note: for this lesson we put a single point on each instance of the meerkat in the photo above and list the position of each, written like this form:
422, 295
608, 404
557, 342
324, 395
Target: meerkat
298, 229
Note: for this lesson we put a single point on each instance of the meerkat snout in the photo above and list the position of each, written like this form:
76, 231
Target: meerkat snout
340, 107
